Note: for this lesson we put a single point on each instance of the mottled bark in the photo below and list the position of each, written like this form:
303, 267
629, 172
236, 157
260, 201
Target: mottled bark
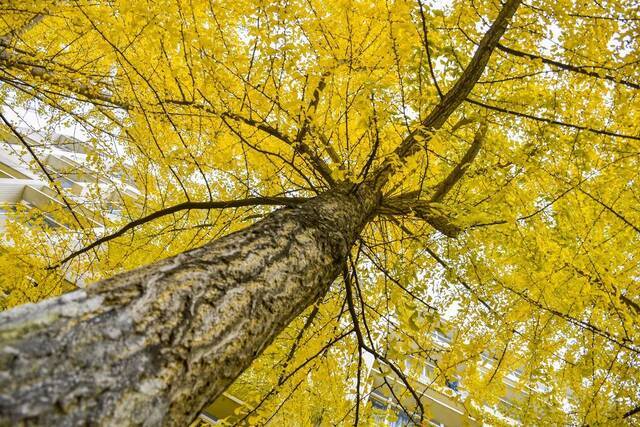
153, 346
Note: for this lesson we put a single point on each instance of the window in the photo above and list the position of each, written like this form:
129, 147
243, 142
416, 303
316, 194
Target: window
379, 411
378, 405
65, 183
427, 372
441, 336
50, 221
402, 421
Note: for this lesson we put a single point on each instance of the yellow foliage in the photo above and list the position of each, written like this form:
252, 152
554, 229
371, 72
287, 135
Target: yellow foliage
228, 99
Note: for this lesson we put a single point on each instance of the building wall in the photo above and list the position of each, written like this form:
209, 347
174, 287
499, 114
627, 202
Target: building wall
38, 215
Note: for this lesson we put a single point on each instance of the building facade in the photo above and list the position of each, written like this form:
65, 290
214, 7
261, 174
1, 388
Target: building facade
445, 403
49, 189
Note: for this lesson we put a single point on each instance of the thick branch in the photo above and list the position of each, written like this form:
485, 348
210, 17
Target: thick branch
631, 412
454, 97
14, 59
458, 172
9, 37
463, 86
311, 109
437, 215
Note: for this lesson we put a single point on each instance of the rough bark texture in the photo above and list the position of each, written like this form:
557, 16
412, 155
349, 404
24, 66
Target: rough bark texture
437, 215
153, 346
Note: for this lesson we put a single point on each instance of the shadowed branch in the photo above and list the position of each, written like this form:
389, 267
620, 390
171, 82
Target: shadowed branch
253, 201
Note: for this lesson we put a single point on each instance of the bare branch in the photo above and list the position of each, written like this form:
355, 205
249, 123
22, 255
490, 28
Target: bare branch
447, 267
598, 282
376, 354
284, 379
458, 172
574, 68
296, 342
552, 121
610, 209
425, 39
42, 168
254, 201
299, 146
582, 324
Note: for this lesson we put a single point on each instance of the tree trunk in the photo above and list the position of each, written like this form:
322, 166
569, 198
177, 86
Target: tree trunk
154, 345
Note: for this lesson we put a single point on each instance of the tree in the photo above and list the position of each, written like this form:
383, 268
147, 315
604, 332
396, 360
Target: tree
473, 165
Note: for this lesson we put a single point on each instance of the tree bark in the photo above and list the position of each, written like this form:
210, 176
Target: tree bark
154, 345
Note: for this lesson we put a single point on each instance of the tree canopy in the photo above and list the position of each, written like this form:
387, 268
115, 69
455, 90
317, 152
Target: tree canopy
509, 199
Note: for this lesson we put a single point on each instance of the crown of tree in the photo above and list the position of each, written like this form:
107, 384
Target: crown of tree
319, 180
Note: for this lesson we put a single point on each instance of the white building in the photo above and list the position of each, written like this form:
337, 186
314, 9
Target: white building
65, 159
43, 176
444, 401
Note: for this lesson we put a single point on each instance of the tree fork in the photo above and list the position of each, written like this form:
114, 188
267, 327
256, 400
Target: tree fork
155, 345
